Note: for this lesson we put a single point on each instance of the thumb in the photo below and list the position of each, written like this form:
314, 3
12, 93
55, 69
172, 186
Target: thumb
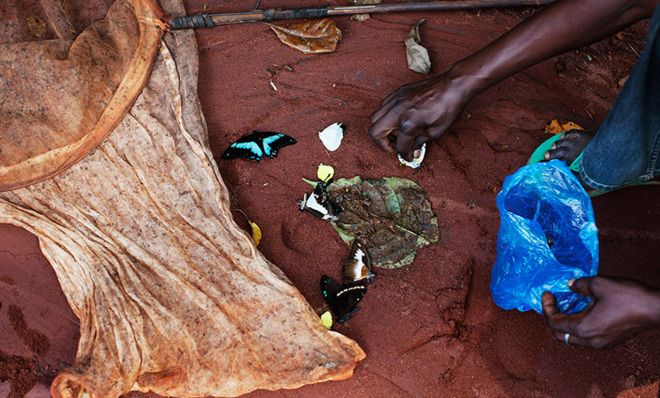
581, 286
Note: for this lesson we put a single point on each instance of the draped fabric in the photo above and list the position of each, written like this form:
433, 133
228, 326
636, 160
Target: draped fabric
171, 295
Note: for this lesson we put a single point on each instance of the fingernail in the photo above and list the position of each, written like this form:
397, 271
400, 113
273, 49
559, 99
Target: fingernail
417, 153
571, 282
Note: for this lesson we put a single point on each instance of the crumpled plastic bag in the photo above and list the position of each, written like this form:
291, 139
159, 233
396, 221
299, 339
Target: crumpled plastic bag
547, 236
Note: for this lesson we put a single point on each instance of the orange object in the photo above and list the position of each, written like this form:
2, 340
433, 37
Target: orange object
556, 127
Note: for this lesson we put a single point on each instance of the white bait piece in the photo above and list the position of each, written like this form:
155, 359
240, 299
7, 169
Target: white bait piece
332, 135
417, 161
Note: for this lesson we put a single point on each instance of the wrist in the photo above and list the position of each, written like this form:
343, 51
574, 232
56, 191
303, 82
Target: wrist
465, 80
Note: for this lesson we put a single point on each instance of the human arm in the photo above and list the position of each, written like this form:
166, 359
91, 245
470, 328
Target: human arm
424, 110
619, 309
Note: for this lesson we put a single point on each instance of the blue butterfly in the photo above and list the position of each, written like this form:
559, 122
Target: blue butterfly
257, 145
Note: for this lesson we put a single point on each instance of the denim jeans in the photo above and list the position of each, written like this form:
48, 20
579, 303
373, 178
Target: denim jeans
626, 148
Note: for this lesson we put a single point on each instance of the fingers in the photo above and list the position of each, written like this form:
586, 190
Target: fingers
402, 91
549, 304
436, 131
600, 286
556, 320
420, 140
384, 141
384, 108
573, 134
562, 147
404, 145
571, 339
405, 113
392, 97
581, 286
396, 113
386, 124
560, 153
388, 103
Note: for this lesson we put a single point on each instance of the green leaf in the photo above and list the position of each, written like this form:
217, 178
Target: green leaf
391, 216
310, 182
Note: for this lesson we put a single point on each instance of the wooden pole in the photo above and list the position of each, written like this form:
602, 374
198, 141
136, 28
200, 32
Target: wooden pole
208, 20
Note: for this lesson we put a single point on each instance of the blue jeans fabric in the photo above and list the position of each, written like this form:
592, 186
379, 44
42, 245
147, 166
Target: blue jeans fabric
626, 148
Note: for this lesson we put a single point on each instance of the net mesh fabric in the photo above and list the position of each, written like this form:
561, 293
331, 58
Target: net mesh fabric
171, 295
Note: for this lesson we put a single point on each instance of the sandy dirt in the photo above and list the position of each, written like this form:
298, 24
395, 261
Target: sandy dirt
431, 329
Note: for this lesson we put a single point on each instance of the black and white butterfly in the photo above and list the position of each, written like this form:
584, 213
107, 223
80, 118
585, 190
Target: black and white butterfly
319, 204
257, 145
342, 298
358, 266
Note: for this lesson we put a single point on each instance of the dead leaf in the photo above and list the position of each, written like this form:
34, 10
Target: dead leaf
391, 216
556, 127
311, 37
254, 228
416, 55
256, 233
363, 17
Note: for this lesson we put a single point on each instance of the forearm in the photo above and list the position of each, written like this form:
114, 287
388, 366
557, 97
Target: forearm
563, 26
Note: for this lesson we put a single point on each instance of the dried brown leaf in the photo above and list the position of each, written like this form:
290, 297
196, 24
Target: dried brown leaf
416, 55
311, 37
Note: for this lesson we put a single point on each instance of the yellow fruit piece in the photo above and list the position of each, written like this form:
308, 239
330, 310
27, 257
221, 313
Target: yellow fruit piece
325, 172
256, 233
326, 320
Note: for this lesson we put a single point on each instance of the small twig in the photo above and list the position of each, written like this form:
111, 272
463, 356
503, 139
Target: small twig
244, 215
633, 49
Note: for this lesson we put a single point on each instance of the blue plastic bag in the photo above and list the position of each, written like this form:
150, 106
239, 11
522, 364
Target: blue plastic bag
547, 236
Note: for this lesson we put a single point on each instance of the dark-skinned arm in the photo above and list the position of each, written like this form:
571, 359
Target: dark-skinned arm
424, 110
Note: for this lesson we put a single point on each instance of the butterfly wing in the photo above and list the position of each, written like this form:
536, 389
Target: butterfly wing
319, 204
342, 298
272, 142
358, 265
245, 150
311, 205
246, 147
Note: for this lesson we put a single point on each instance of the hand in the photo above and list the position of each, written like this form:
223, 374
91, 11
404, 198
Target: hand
619, 308
418, 112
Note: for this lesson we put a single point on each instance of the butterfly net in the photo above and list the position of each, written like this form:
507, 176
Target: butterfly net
104, 156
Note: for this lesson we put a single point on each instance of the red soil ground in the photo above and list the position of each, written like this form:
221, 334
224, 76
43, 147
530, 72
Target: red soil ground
431, 329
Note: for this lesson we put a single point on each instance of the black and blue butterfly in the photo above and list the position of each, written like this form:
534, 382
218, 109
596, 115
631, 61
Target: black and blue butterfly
342, 298
257, 145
